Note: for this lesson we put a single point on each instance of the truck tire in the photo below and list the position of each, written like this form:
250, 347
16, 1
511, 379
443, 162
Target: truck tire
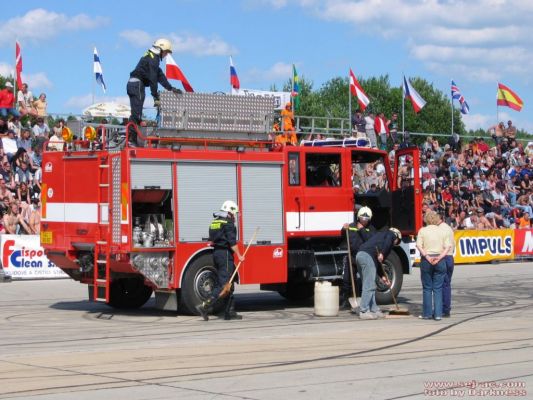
393, 267
129, 293
298, 291
198, 283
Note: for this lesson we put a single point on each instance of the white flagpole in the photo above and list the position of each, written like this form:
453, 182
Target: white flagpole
451, 101
350, 103
94, 77
403, 105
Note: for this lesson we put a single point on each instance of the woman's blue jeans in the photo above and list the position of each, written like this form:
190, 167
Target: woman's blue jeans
432, 280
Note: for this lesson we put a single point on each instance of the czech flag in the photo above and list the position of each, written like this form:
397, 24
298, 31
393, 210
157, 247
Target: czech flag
172, 71
357, 91
233, 78
507, 98
410, 93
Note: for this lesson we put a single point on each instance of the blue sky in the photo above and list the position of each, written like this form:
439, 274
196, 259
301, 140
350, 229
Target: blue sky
477, 43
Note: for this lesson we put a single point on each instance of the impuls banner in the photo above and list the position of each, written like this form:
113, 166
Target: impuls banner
481, 246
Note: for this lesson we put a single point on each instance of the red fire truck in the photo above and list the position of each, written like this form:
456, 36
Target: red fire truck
130, 221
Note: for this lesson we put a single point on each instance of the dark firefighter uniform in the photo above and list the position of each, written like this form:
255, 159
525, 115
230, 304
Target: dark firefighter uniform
223, 235
356, 236
147, 73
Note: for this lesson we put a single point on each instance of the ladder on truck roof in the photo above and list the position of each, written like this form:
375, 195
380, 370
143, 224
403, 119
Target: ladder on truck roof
102, 276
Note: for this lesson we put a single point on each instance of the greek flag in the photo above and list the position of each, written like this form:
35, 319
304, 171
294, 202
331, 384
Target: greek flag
97, 69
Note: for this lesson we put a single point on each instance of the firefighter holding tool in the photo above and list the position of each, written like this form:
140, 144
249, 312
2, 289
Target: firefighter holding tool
147, 73
358, 233
223, 235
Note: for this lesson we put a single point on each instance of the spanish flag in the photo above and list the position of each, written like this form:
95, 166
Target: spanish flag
506, 97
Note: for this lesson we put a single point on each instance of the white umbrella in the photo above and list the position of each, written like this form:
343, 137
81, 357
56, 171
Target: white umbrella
110, 109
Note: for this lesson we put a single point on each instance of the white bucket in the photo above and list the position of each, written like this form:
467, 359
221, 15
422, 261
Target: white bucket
326, 299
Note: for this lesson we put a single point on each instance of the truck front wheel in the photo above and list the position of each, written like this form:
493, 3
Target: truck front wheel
393, 267
198, 283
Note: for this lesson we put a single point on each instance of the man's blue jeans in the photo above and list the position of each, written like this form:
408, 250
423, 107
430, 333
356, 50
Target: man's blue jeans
432, 280
447, 286
368, 270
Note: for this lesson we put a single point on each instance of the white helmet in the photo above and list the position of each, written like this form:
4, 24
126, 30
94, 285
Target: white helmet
230, 206
163, 44
364, 213
396, 232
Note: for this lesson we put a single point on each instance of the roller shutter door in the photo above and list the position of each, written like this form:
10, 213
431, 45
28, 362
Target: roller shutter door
262, 202
202, 188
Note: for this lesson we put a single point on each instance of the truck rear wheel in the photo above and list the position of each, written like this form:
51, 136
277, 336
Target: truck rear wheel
129, 293
198, 283
393, 267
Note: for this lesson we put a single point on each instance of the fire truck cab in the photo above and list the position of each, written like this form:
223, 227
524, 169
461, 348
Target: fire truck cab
130, 221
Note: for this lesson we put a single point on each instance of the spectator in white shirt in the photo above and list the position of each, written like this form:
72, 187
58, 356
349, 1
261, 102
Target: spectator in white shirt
9, 143
40, 129
25, 101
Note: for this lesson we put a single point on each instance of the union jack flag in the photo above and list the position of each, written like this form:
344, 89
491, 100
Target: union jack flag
456, 95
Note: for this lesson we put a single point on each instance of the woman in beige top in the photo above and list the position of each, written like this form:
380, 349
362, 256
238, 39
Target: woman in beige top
433, 245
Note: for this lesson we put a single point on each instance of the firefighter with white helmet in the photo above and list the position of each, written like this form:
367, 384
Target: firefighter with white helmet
223, 235
147, 73
359, 232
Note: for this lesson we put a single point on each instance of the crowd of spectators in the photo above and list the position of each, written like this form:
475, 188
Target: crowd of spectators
20, 159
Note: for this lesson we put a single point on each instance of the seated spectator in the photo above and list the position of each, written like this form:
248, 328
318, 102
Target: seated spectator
22, 174
25, 102
14, 223
524, 222
34, 222
24, 141
7, 101
40, 105
7, 174
3, 126
56, 142
483, 222
37, 180
40, 129
23, 193
9, 144
510, 131
15, 125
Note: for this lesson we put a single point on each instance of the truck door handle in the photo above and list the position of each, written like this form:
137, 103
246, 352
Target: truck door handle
311, 207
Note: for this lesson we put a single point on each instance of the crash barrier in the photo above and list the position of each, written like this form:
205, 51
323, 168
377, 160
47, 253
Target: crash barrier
23, 258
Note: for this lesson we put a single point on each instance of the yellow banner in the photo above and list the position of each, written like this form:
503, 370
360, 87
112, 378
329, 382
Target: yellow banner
473, 246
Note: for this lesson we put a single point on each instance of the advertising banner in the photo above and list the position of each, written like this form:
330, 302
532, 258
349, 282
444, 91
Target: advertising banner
523, 242
23, 258
482, 246
280, 98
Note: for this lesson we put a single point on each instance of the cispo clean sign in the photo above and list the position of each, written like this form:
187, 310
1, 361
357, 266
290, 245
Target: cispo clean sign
23, 258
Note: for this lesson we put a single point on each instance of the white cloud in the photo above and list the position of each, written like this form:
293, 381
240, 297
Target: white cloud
279, 70
137, 37
37, 81
477, 121
40, 24
83, 101
6, 70
183, 43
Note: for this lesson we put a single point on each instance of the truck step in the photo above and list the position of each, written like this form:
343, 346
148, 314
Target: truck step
104, 165
99, 282
101, 242
104, 185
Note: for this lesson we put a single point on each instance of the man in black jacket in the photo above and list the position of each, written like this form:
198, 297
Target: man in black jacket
358, 233
223, 235
370, 255
147, 73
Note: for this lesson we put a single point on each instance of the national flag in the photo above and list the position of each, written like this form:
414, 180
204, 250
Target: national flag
233, 78
172, 71
456, 95
97, 69
357, 91
506, 97
410, 93
18, 65
295, 93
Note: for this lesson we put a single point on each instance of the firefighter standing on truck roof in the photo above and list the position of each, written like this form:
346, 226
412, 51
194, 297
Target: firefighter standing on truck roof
288, 135
148, 73
358, 233
223, 235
